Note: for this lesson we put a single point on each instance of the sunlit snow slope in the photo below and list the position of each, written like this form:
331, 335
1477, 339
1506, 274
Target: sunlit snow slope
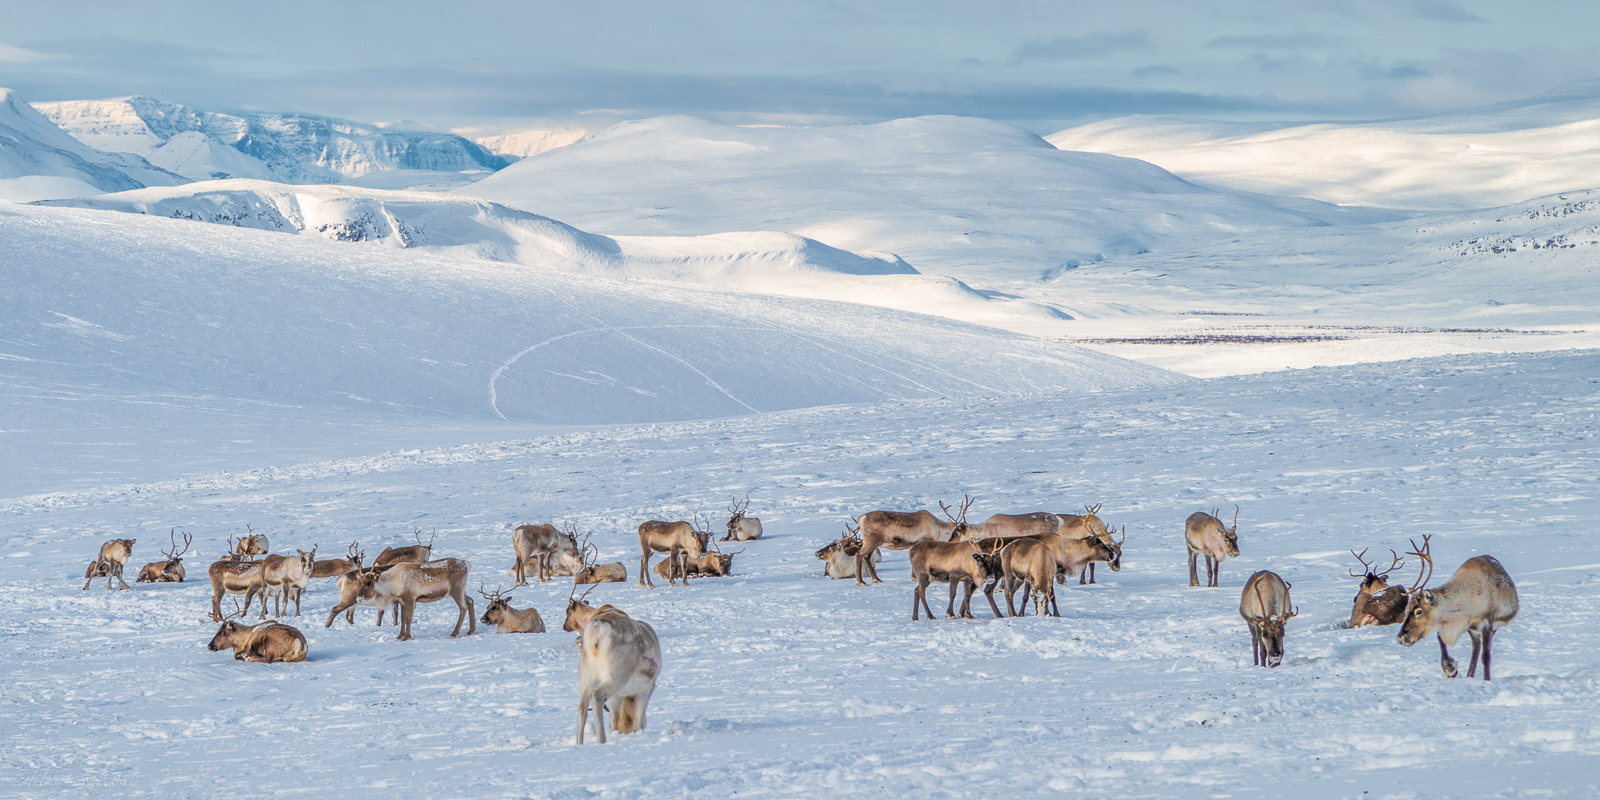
38, 159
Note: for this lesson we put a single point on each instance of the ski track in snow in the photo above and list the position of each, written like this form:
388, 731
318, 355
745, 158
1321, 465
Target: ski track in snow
779, 682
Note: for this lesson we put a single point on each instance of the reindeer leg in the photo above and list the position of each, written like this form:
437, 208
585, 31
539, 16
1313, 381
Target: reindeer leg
988, 591
1446, 663
407, 609
644, 571
966, 602
1054, 607
583, 713
119, 577
1194, 578
1477, 644
859, 569
950, 610
1091, 574
916, 599
348, 611
1488, 636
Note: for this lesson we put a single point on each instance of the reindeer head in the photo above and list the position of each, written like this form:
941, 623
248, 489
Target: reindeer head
578, 612
229, 630
959, 519
702, 536
357, 555
1112, 549
736, 513
989, 559
1230, 536
499, 604
1421, 605
1272, 635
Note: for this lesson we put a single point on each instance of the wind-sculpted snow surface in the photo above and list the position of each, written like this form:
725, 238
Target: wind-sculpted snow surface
780, 682
957, 196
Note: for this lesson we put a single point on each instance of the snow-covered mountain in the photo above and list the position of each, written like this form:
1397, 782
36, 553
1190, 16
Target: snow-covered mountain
289, 148
522, 144
1496, 155
971, 198
38, 159
764, 262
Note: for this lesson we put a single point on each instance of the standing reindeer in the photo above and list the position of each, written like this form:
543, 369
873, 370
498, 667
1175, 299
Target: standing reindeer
1205, 535
334, 567
232, 575
418, 553
839, 556
508, 619
1479, 599
412, 583
1031, 563
1086, 526
898, 530
619, 661
170, 570
954, 563
1378, 603
544, 545
740, 527
113, 555
1264, 605
1011, 526
282, 577
679, 540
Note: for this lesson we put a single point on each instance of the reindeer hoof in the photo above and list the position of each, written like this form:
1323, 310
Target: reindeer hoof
1449, 668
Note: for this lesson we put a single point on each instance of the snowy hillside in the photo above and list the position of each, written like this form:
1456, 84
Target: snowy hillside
1492, 156
454, 225
37, 159
289, 148
522, 144
970, 198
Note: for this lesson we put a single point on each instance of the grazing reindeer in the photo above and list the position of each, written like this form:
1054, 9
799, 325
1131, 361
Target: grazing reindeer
1011, 526
619, 661
1084, 526
679, 540
740, 527
418, 553
350, 587
1378, 603
839, 556
898, 530
170, 570
1205, 535
1479, 599
508, 619
1265, 608
954, 563
544, 546
334, 567
251, 545
589, 573
113, 555
1031, 563
267, 642
231, 575
411, 583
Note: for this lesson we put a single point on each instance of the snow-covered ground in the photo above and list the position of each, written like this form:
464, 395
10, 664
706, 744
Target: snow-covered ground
779, 682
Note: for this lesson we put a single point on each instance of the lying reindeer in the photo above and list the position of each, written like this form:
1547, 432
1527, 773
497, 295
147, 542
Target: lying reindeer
1479, 599
1378, 603
740, 527
267, 642
715, 564
113, 555
418, 553
171, 569
589, 572
253, 544
839, 556
1204, 534
898, 530
619, 662
1264, 604
508, 619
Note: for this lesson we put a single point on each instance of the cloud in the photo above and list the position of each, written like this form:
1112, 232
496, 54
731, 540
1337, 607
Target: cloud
1301, 40
17, 55
1074, 48
1155, 69
1442, 11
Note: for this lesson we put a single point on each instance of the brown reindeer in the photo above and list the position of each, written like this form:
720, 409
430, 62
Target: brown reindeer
418, 553
231, 575
619, 661
589, 573
1084, 526
334, 567
1378, 603
1011, 526
715, 564
839, 556
898, 530
543, 546
170, 570
251, 545
268, 642
1204, 534
113, 555
411, 583
350, 586
1265, 606
1031, 563
742, 528
281, 576
955, 563
679, 540
508, 619
1479, 599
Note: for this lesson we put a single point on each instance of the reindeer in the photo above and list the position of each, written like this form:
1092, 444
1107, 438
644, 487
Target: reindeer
619, 660
418, 553
1031, 563
170, 570
412, 583
1204, 534
508, 619
230, 575
283, 577
954, 563
113, 555
545, 545
1011, 526
1378, 603
334, 567
1084, 526
715, 564
267, 642
1078, 556
679, 540
589, 573
1264, 604
253, 544
740, 527
839, 556
1479, 599
898, 530
350, 587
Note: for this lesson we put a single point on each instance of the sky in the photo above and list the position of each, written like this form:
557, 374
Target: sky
502, 66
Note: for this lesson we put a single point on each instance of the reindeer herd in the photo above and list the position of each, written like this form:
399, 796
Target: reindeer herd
620, 657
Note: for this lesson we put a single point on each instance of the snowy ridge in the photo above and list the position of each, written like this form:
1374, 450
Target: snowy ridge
290, 148
523, 144
32, 148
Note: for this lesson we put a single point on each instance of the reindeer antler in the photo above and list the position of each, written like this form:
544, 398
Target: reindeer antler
1366, 569
736, 509
237, 611
491, 597
1092, 510
1235, 515
1425, 570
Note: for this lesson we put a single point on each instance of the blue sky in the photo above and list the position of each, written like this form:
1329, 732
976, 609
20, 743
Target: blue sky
1043, 65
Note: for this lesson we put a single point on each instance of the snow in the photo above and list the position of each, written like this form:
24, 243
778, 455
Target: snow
32, 146
522, 144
